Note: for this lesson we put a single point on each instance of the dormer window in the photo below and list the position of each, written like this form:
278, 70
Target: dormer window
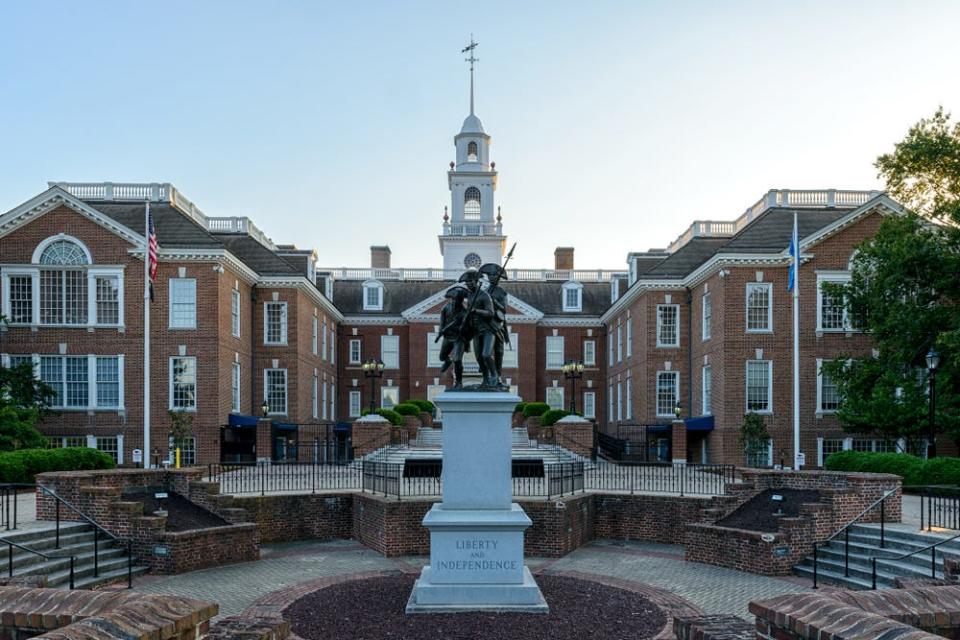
472, 152
372, 295
572, 296
471, 204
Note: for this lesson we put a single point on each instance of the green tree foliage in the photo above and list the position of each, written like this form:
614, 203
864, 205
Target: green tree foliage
905, 292
550, 418
23, 400
181, 427
754, 438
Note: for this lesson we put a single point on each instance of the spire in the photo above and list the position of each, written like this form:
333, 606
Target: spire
470, 47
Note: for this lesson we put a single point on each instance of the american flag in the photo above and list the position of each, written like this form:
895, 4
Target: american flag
151, 249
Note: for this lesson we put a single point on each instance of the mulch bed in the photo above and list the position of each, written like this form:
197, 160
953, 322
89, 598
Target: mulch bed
182, 515
757, 513
373, 609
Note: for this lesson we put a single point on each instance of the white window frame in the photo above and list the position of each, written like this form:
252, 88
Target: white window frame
758, 286
610, 361
746, 387
676, 393
196, 384
323, 400
314, 398
284, 320
333, 347
555, 363
173, 283
358, 343
706, 390
572, 287
235, 313
841, 277
820, 409
286, 391
619, 341
706, 317
314, 335
589, 353
92, 384
629, 325
589, 404
235, 388
610, 402
372, 284
628, 400
660, 343
323, 341
354, 407
385, 391
390, 356
511, 352
556, 392
619, 401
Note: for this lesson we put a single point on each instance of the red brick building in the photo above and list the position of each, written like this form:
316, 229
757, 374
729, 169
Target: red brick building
235, 320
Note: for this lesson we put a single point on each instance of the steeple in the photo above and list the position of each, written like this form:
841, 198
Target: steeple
470, 47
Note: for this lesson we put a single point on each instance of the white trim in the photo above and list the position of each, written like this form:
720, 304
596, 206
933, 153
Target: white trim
820, 409
547, 350
676, 328
592, 360
839, 277
359, 343
746, 387
170, 301
706, 408
372, 284
196, 385
286, 391
570, 286
235, 300
350, 406
383, 350
285, 319
656, 393
43, 244
706, 322
746, 306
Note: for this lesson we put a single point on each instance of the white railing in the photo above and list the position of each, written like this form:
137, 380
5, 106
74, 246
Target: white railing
539, 275
141, 191
472, 229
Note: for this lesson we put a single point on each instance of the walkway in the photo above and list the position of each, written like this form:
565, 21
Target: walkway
235, 587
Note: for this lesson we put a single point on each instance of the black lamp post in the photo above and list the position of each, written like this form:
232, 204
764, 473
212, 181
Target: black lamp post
265, 408
933, 361
677, 410
573, 371
372, 369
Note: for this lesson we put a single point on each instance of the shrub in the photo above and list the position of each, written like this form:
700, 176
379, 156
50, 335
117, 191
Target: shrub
23, 465
392, 416
549, 418
407, 409
519, 407
914, 470
425, 405
535, 409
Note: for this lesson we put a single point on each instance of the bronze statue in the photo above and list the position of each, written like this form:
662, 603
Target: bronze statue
453, 346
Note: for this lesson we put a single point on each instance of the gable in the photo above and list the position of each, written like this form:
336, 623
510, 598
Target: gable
428, 309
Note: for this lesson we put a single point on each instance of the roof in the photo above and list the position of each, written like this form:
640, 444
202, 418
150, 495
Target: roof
771, 231
256, 256
472, 124
172, 226
687, 258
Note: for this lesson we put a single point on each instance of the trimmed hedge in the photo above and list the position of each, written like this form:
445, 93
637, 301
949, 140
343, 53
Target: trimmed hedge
407, 409
535, 409
549, 418
425, 405
23, 465
392, 416
915, 471
519, 407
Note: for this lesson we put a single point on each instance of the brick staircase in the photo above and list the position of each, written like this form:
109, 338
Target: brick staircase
76, 539
865, 544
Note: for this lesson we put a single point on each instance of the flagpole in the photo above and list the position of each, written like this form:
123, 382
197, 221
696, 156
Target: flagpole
796, 345
146, 336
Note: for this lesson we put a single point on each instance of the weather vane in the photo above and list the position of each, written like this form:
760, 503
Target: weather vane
470, 47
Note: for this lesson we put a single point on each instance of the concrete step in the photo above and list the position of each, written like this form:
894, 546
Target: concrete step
829, 575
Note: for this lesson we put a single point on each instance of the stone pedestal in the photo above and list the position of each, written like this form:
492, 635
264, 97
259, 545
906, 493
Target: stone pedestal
476, 533
264, 442
678, 433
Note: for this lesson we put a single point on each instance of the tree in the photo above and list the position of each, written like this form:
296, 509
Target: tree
905, 292
755, 439
23, 400
181, 428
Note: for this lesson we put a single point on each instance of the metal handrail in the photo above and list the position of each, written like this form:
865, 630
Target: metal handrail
11, 496
97, 528
933, 558
845, 530
11, 544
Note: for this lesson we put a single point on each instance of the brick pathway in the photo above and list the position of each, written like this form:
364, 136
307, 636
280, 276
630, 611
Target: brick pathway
711, 589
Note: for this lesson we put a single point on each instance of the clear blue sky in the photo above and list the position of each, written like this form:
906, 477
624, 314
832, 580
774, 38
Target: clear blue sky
330, 124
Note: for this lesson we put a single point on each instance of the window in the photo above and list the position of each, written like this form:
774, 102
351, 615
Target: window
759, 386
108, 382
554, 352
64, 252
275, 323
56, 442
828, 399
314, 399
235, 313
109, 445
323, 341
629, 338
323, 401
759, 309
354, 409
390, 351
609, 403
63, 297
21, 299
183, 383
355, 353
275, 390
668, 316
628, 400
707, 318
610, 348
183, 303
619, 342
188, 451
333, 347
372, 296
471, 204
572, 296
68, 376
107, 299
831, 311
554, 397
389, 397
619, 401
235, 388
590, 353
314, 324
832, 445
333, 401
589, 404
511, 352
668, 390
471, 151
706, 376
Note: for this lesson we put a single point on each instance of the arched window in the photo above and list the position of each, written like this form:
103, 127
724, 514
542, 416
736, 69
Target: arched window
63, 252
372, 295
472, 151
471, 204
572, 296
63, 292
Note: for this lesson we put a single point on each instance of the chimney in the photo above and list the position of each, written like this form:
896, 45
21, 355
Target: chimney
563, 259
380, 257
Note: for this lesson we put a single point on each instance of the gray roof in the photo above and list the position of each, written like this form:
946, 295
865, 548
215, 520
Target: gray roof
173, 227
771, 232
687, 258
646, 263
256, 256
548, 297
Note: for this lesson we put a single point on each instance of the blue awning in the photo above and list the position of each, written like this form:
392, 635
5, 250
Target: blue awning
700, 423
342, 426
237, 420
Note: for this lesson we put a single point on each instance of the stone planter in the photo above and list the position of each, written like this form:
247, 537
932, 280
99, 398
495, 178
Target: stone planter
533, 427
426, 419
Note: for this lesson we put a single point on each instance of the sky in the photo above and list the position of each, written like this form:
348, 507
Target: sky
614, 124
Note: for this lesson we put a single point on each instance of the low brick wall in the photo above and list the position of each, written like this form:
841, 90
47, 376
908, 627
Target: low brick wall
652, 518
298, 517
80, 615
844, 496
713, 627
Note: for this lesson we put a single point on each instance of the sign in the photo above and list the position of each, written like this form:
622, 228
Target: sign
161, 496
781, 552
777, 497
768, 537
161, 550
801, 459
138, 456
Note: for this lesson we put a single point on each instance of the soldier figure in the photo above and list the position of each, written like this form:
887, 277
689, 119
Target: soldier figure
482, 326
495, 273
454, 345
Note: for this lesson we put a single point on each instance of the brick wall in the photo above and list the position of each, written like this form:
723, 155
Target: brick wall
299, 517
650, 518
